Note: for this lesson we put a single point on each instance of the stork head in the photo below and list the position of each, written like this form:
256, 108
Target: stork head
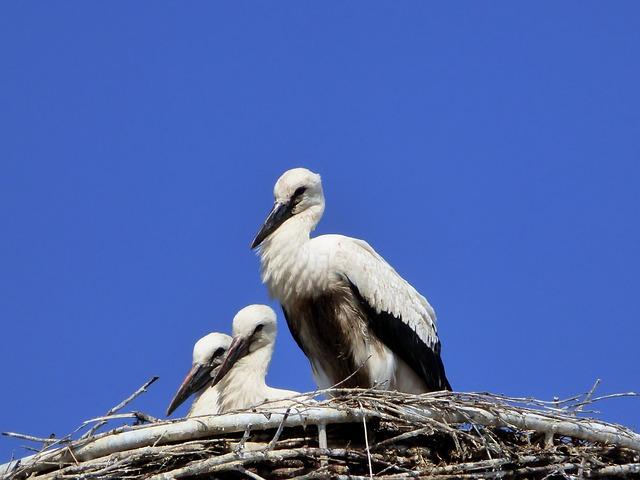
254, 329
298, 193
208, 354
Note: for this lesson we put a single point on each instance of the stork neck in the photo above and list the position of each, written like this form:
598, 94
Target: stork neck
286, 257
205, 401
293, 233
250, 369
244, 385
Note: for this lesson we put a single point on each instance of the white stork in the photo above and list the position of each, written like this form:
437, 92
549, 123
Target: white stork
241, 377
350, 312
208, 354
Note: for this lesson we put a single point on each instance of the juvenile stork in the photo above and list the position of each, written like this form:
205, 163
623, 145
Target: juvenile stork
208, 354
356, 319
241, 377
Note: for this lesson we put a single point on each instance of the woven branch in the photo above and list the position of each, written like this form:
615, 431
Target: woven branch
443, 435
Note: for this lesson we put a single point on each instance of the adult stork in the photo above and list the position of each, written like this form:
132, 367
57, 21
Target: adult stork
356, 319
241, 377
208, 354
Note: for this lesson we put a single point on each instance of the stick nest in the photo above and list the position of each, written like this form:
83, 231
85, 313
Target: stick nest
357, 434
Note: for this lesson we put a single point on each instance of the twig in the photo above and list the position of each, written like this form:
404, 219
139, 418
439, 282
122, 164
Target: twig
248, 473
276, 436
366, 439
606, 397
30, 449
72, 455
403, 436
144, 417
245, 436
231, 461
348, 377
105, 418
31, 438
615, 471
587, 397
491, 464
117, 460
120, 406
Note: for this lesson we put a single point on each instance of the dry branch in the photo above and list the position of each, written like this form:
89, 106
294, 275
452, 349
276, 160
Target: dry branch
120, 406
442, 435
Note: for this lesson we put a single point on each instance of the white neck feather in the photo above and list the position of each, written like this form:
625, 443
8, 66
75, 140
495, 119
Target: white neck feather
287, 267
206, 402
244, 386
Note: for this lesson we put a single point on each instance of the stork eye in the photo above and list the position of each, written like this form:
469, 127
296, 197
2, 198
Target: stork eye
258, 328
299, 191
218, 352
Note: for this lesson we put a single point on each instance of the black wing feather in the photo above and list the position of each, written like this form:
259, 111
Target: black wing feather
293, 330
404, 341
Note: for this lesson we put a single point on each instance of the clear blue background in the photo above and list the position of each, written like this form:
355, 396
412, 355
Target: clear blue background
490, 151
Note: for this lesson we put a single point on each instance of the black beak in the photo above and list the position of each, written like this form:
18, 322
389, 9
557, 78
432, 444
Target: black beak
238, 349
280, 213
196, 379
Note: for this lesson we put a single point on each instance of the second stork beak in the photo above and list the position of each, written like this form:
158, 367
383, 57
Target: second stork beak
238, 349
280, 213
196, 379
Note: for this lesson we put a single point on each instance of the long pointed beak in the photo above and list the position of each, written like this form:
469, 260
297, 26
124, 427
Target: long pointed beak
196, 379
238, 349
280, 213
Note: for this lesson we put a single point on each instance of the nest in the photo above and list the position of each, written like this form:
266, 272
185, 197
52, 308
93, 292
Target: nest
356, 434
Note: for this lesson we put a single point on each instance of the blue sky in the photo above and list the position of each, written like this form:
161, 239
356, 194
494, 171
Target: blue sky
490, 151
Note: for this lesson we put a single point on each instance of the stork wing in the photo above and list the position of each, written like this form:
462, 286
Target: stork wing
398, 315
294, 331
